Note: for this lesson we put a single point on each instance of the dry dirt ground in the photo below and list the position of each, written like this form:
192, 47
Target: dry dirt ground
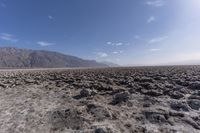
110, 100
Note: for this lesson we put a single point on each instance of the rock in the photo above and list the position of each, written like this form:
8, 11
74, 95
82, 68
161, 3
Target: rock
123, 82
194, 97
139, 129
167, 130
192, 123
184, 91
194, 86
176, 95
93, 92
116, 91
179, 106
194, 104
100, 130
196, 119
181, 82
134, 88
100, 113
146, 79
104, 129
152, 92
120, 97
148, 101
28, 81
102, 87
155, 117
3, 85
85, 93
147, 85
176, 114
168, 85
196, 93
147, 104
65, 118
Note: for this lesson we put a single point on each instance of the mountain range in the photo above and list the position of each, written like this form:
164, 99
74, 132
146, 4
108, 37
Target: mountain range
27, 58
110, 64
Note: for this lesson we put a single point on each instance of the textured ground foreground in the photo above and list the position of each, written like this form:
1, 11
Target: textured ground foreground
112, 100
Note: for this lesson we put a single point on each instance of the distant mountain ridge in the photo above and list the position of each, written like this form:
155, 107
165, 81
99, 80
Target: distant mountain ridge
110, 64
26, 58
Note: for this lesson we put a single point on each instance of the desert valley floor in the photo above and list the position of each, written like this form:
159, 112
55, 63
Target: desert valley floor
103, 100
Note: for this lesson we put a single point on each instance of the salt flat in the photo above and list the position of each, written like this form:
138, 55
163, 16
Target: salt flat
110, 100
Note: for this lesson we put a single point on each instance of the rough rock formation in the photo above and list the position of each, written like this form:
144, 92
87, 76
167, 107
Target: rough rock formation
111, 100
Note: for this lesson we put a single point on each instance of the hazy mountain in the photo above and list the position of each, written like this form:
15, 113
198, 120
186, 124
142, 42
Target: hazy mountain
24, 58
187, 62
110, 64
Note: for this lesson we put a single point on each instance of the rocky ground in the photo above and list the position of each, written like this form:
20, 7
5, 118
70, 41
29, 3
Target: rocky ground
110, 100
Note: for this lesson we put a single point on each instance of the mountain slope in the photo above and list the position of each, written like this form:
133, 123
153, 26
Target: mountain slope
24, 58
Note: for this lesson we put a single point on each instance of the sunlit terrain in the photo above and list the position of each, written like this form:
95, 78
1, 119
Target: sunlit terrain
113, 100
99, 66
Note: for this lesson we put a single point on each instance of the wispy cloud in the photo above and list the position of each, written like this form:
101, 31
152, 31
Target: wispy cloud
45, 44
109, 43
157, 40
156, 3
137, 37
102, 54
154, 50
8, 37
117, 52
116, 44
50, 17
151, 19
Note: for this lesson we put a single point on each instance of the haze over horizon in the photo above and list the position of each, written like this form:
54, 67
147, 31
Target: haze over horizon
147, 32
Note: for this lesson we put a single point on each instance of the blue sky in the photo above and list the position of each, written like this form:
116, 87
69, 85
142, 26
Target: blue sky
126, 32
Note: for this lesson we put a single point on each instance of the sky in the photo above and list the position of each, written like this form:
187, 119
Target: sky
126, 32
